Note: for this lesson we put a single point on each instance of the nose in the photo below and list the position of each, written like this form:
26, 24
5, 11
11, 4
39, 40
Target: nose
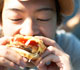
29, 27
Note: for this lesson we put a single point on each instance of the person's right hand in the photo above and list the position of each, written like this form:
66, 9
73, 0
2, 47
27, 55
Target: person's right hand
10, 58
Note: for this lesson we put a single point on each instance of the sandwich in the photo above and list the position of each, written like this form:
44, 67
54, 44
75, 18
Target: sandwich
27, 46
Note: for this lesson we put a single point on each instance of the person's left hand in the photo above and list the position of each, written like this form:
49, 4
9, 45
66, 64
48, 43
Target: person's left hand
58, 59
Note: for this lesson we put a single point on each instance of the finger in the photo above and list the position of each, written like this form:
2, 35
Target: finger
49, 50
13, 56
49, 58
49, 42
6, 63
52, 50
4, 40
3, 68
42, 67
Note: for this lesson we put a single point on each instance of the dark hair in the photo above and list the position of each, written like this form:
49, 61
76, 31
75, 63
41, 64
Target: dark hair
1, 7
59, 15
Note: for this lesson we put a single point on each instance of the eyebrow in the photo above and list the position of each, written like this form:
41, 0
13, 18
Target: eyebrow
15, 9
45, 9
38, 10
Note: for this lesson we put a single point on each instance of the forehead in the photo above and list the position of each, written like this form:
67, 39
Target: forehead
17, 3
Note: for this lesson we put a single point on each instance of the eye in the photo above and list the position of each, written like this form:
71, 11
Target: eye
16, 19
43, 19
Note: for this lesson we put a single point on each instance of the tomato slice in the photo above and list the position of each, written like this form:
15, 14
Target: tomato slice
33, 43
24, 40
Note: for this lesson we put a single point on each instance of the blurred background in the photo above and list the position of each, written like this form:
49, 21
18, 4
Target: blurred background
72, 23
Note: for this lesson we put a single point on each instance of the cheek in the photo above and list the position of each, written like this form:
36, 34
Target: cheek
9, 29
49, 30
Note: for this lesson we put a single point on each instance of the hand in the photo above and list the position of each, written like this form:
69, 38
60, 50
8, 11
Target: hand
3, 68
10, 58
54, 54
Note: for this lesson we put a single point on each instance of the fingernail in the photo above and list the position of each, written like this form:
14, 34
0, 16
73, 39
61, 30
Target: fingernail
25, 59
48, 63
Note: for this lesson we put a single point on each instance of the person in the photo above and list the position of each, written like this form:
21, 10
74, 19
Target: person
39, 18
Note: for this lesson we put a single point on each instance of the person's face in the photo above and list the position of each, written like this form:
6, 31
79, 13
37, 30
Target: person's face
29, 17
